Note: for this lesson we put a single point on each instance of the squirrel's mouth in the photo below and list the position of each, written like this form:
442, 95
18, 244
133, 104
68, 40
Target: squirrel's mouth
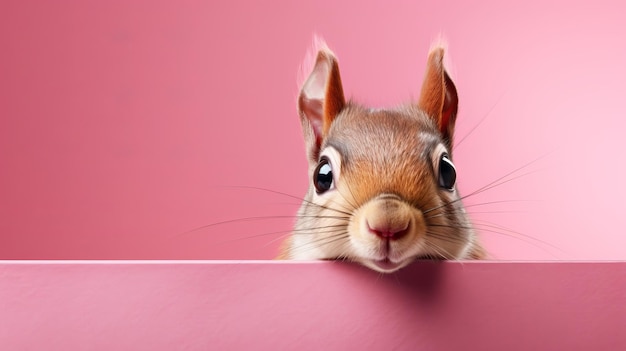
387, 266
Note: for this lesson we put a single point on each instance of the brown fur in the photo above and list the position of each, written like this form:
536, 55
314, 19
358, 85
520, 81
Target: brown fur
385, 176
371, 158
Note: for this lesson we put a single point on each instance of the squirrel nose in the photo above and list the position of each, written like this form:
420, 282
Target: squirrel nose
392, 230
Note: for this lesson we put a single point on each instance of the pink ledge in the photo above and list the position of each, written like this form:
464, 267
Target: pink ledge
237, 305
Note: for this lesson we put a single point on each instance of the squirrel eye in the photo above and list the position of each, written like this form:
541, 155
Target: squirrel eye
447, 173
323, 176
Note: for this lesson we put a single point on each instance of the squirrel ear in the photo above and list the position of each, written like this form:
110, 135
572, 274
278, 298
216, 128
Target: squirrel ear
439, 98
320, 101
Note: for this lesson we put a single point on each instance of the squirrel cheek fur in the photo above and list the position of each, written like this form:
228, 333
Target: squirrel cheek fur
376, 196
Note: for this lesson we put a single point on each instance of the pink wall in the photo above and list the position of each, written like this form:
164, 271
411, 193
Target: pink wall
122, 122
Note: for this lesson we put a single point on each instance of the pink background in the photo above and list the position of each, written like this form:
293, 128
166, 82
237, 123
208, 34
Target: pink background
123, 124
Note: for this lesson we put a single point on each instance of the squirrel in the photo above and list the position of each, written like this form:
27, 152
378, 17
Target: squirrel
382, 188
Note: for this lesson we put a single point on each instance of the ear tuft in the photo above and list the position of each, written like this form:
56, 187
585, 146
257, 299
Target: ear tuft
321, 99
318, 44
439, 97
